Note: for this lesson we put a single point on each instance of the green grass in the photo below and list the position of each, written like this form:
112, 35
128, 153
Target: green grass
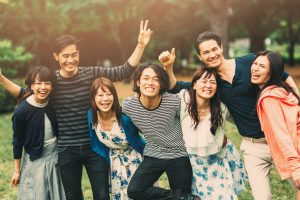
280, 189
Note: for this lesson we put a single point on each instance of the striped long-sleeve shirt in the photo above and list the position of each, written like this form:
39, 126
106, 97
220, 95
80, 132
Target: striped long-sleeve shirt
161, 127
70, 99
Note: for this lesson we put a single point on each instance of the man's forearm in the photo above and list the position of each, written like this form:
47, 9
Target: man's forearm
172, 77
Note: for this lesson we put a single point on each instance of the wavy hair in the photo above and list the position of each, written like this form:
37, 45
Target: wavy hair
215, 103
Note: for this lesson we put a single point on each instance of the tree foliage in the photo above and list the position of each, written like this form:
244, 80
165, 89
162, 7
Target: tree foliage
12, 58
109, 28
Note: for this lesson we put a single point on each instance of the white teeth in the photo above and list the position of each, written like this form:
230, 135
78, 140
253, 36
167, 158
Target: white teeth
105, 105
149, 89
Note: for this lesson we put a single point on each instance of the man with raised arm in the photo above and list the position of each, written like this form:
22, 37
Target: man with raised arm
239, 95
71, 102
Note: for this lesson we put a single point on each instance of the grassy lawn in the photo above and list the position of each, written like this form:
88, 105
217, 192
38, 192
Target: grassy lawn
280, 189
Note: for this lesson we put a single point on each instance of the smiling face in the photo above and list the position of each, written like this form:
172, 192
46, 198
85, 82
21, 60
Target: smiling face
41, 90
149, 83
260, 71
104, 100
211, 53
68, 59
205, 87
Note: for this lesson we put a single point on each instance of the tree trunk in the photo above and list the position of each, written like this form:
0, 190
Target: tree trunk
257, 42
291, 50
291, 47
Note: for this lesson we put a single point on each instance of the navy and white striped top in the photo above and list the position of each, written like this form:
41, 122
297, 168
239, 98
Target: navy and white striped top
71, 101
161, 126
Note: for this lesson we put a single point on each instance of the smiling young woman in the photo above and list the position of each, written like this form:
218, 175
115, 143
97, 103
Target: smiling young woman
35, 130
113, 137
278, 109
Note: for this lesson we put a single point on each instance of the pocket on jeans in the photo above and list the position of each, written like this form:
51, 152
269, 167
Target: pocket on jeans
61, 149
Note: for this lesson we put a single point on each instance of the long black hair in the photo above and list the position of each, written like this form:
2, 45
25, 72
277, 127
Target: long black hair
215, 103
276, 71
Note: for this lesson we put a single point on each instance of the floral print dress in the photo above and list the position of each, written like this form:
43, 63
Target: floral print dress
124, 160
218, 177
218, 172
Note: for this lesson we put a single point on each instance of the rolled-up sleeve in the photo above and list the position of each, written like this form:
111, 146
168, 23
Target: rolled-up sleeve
180, 85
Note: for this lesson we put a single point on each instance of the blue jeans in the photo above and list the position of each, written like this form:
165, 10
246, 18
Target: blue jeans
71, 160
178, 170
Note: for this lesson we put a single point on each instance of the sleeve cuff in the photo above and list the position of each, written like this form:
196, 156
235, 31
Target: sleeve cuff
17, 153
130, 66
180, 85
285, 75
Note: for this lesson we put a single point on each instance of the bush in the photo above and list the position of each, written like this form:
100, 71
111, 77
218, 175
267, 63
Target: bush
12, 58
7, 101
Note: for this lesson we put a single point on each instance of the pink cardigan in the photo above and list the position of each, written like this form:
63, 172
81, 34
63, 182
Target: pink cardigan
278, 112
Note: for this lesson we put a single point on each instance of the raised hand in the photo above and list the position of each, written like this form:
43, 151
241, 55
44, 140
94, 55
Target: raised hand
145, 33
167, 59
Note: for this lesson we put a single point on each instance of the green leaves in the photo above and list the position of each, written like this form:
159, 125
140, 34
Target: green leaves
12, 58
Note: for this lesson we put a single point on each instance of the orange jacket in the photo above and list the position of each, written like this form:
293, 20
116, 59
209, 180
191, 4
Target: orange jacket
278, 112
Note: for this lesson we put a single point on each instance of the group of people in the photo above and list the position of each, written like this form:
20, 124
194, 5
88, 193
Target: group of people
72, 118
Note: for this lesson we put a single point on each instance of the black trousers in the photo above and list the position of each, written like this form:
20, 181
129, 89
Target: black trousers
71, 160
178, 170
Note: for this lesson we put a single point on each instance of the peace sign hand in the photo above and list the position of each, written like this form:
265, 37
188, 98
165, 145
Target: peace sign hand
145, 34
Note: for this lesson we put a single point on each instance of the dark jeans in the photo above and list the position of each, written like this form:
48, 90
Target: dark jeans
178, 170
71, 160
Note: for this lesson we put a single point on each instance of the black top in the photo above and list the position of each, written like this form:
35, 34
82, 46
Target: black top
29, 129
240, 97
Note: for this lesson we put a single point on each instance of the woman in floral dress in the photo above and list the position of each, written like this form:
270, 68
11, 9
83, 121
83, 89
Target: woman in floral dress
218, 171
114, 136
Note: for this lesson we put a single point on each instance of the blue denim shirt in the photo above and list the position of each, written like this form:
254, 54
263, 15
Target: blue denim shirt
131, 131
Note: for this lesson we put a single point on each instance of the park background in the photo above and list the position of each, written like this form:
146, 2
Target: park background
108, 31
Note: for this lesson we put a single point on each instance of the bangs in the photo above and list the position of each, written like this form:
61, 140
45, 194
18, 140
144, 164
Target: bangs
207, 74
43, 75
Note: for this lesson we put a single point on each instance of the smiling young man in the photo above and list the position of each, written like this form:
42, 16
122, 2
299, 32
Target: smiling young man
239, 95
71, 102
156, 115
